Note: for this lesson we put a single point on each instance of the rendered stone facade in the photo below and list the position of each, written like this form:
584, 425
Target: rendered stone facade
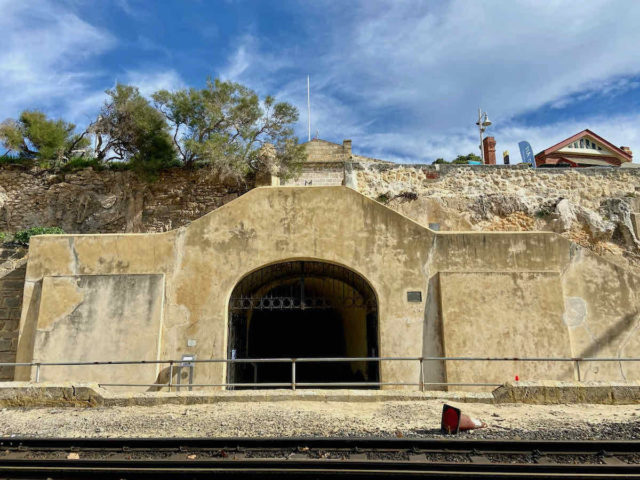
329, 164
454, 197
503, 294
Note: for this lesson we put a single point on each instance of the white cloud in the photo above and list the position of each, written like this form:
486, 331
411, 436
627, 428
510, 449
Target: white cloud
49, 56
149, 82
404, 79
239, 62
509, 57
84, 109
396, 146
42, 48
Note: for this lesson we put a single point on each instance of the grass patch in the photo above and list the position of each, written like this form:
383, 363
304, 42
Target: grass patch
82, 162
23, 236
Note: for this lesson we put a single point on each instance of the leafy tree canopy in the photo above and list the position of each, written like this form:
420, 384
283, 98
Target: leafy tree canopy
460, 159
225, 125
130, 129
34, 136
471, 157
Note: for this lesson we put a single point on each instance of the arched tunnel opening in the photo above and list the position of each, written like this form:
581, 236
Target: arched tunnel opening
303, 310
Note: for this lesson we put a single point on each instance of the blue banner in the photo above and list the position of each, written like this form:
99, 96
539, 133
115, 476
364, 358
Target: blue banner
526, 152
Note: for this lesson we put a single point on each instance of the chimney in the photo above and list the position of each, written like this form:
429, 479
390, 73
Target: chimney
346, 146
489, 149
627, 150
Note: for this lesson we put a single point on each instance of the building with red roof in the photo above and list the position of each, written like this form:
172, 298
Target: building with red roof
584, 149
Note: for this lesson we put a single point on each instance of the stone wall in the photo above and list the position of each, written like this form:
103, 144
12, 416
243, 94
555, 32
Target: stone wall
88, 201
12, 272
108, 201
593, 207
585, 186
319, 175
321, 151
502, 294
112, 202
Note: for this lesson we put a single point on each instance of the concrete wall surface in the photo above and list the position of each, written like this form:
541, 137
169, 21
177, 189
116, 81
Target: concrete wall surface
159, 296
504, 314
87, 315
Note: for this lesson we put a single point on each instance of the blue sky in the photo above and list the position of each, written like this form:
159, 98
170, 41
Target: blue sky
402, 79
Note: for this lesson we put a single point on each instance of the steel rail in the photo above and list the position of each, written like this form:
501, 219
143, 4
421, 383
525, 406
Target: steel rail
235, 464
413, 444
307, 469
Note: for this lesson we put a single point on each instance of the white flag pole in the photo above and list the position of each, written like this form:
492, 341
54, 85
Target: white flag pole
308, 110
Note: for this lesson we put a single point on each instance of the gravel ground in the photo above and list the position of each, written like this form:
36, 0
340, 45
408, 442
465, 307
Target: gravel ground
311, 418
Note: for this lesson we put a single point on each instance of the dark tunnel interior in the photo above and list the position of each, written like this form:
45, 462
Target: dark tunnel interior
303, 310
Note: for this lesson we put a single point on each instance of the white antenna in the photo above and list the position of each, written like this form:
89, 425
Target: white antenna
308, 110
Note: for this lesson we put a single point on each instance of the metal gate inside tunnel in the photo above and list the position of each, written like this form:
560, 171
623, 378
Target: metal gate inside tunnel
303, 309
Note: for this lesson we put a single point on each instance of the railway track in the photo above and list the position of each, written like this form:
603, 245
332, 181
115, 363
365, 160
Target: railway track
316, 458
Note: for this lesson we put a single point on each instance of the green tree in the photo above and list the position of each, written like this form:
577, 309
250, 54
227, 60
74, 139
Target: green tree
34, 136
465, 159
225, 125
130, 129
440, 161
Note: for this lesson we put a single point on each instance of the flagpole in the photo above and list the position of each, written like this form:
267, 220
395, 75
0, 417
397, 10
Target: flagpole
308, 110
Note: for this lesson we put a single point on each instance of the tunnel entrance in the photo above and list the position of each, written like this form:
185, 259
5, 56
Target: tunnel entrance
303, 309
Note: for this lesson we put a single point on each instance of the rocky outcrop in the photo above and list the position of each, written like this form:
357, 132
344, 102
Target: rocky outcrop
89, 201
593, 207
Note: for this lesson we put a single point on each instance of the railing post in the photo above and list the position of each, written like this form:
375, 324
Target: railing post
421, 374
37, 372
170, 373
578, 369
293, 374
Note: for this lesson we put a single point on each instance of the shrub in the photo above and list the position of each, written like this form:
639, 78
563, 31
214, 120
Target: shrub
383, 198
79, 163
543, 213
408, 195
119, 166
23, 236
3, 237
11, 160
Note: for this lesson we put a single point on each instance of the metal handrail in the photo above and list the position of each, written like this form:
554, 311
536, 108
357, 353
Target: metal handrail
294, 361
327, 359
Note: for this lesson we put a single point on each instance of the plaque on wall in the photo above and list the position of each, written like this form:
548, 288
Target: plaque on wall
414, 296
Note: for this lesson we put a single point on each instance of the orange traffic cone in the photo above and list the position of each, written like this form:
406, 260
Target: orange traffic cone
454, 421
